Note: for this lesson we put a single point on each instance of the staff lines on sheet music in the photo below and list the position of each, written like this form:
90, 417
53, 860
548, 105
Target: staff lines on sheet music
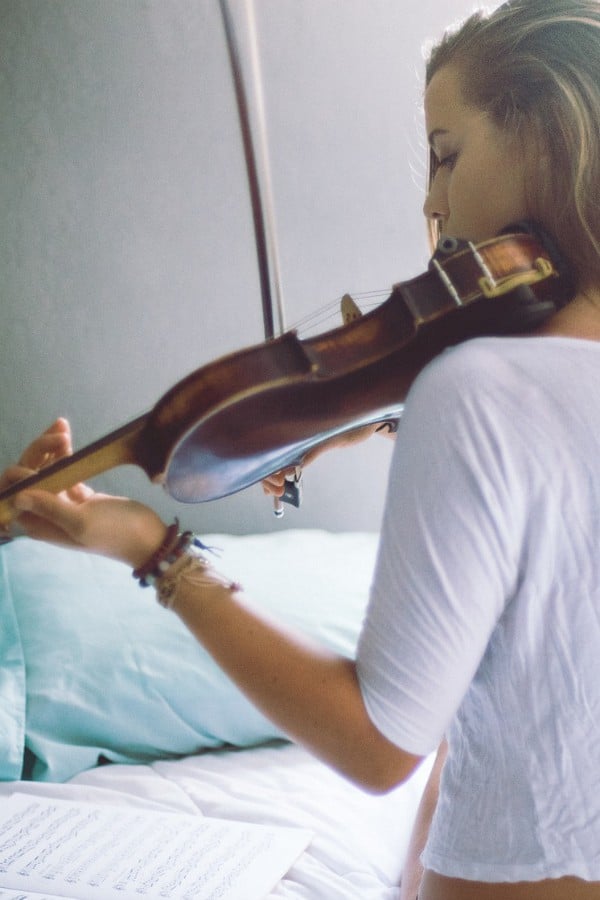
135, 871
124, 851
56, 842
214, 864
33, 841
179, 852
97, 849
76, 840
22, 831
233, 876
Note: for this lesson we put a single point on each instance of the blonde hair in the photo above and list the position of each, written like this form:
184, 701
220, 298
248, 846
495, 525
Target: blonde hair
534, 66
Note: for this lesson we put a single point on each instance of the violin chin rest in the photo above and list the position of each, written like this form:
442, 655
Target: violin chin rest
522, 311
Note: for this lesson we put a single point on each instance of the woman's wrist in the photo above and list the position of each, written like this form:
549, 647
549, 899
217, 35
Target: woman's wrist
179, 559
145, 543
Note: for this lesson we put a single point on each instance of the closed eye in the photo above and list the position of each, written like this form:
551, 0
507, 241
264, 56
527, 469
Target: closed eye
448, 162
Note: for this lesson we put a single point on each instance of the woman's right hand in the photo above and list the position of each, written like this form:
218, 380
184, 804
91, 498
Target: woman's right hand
274, 484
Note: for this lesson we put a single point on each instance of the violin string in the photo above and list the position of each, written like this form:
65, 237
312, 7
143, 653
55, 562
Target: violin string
256, 151
331, 311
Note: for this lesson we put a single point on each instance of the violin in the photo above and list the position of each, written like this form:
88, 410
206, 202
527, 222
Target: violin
234, 421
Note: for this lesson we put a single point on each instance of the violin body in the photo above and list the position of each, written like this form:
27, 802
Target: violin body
236, 420
268, 405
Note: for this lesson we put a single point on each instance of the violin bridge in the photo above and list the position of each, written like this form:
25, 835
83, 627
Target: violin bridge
349, 309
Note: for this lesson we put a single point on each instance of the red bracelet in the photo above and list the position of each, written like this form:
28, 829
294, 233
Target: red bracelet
173, 546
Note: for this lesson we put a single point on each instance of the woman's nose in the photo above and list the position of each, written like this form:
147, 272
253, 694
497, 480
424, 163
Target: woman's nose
436, 202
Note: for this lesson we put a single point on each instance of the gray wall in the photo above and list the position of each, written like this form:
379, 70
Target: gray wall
126, 250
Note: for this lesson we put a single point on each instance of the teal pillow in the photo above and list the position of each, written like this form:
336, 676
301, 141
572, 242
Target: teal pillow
92, 668
12, 687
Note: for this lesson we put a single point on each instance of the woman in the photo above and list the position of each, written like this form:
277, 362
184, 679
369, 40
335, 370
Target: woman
484, 620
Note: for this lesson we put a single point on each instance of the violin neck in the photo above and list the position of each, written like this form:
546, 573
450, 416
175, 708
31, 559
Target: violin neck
115, 449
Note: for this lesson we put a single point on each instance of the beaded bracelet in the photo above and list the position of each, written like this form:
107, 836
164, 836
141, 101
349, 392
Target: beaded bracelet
174, 545
179, 559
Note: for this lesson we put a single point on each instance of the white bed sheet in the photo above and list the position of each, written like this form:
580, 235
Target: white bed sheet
359, 840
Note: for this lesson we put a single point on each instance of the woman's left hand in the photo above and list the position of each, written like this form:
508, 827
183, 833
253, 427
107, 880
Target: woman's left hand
112, 526
79, 517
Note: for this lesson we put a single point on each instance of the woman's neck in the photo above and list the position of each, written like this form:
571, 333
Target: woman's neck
580, 318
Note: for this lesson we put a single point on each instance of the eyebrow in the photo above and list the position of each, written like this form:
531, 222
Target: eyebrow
437, 132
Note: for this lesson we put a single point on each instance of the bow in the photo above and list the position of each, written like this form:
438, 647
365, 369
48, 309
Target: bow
256, 155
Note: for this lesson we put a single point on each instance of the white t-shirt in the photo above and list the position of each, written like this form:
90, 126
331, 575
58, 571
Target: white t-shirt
484, 618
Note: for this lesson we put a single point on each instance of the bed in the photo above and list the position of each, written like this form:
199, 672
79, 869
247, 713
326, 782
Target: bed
107, 699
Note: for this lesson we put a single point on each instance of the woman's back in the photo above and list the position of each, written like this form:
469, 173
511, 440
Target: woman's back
500, 619
436, 887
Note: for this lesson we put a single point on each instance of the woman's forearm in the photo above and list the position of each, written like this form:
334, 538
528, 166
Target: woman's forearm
311, 694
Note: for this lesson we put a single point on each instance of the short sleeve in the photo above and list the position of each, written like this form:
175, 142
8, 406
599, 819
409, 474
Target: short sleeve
448, 558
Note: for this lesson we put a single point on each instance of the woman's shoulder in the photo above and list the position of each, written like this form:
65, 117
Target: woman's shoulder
471, 364
487, 378
508, 377
491, 360
481, 352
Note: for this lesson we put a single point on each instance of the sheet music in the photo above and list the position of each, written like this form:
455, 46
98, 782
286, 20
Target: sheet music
63, 849
19, 895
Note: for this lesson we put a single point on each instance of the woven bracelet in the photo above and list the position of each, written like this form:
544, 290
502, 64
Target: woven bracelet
179, 558
193, 569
